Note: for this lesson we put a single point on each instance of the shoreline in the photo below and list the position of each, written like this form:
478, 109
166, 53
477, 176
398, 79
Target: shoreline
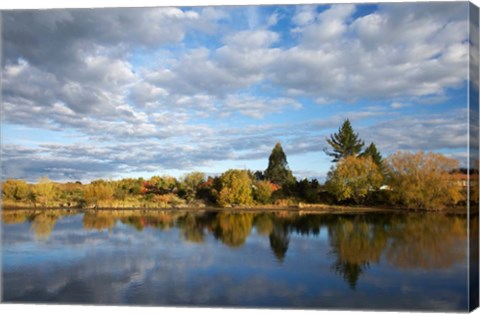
301, 209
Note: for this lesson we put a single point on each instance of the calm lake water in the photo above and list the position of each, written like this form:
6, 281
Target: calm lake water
345, 261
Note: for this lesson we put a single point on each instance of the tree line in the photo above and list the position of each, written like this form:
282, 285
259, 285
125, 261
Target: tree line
413, 180
358, 177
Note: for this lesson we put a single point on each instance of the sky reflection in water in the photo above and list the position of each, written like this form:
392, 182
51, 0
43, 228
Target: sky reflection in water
363, 261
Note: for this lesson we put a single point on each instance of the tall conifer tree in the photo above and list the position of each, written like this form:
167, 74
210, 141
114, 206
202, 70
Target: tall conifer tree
278, 171
373, 152
344, 143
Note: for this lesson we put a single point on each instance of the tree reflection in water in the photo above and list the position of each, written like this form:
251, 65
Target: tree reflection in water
43, 223
263, 224
232, 228
350, 272
276, 228
355, 243
424, 241
192, 228
15, 216
98, 221
279, 240
430, 242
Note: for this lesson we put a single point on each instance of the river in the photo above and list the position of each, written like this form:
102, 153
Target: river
368, 261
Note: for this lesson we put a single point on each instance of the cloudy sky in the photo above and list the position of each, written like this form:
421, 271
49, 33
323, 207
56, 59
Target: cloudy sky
90, 93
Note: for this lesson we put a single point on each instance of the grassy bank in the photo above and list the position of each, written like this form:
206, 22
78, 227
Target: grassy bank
300, 208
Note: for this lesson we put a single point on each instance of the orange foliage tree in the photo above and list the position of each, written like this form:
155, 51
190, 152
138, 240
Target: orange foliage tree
423, 180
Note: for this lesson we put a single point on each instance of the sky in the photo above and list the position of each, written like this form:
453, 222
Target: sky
137, 92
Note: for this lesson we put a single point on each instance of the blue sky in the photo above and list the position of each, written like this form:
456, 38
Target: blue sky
139, 92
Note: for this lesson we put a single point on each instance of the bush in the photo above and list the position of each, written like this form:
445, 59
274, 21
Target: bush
263, 191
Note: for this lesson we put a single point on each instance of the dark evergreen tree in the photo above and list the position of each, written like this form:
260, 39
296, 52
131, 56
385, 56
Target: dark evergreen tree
259, 175
278, 171
344, 143
373, 152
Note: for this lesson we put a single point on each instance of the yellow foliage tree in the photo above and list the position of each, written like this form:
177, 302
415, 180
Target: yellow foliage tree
15, 190
423, 180
236, 188
45, 191
353, 178
99, 191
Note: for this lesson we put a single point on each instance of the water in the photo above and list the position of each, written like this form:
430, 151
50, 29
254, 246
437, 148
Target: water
350, 261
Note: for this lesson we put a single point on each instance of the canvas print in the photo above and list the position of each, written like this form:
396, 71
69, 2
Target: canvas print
314, 156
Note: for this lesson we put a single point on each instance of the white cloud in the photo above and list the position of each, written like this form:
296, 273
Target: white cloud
304, 14
255, 107
399, 51
426, 132
399, 105
273, 20
252, 39
95, 76
330, 25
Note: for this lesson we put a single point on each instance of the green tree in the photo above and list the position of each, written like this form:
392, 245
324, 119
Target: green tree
308, 191
277, 170
354, 178
191, 184
236, 188
372, 151
344, 143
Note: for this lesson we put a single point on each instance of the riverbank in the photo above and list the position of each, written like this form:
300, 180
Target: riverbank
300, 208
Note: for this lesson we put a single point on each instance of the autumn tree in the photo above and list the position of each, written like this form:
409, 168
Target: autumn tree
45, 191
344, 143
99, 191
15, 190
354, 178
71, 193
423, 180
473, 180
128, 187
278, 171
160, 185
236, 188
